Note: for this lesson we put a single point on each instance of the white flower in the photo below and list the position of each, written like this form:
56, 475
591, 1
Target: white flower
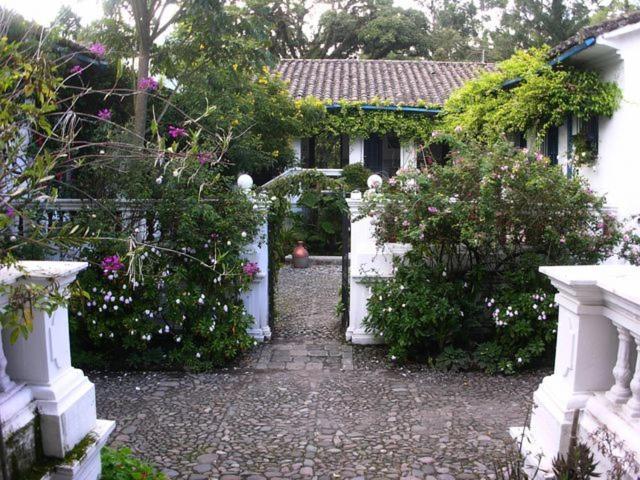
176, 172
519, 359
198, 355
178, 339
159, 180
178, 301
225, 308
243, 234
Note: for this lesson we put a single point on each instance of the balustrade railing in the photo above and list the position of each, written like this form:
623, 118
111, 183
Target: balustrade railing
597, 370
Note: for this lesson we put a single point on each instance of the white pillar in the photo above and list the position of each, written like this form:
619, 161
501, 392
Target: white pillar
356, 150
64, 396
408, 155
256, 299
296, 146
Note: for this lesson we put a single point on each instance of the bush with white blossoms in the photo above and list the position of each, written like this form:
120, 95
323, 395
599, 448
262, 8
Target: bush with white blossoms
174, 302
480, 227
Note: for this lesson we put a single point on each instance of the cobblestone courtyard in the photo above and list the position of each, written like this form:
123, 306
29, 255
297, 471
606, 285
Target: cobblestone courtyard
307, 405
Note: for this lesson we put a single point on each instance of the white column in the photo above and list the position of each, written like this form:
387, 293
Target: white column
408, 155
633, 405
296, 146
620, 391
356, 150
256, 299
64, 395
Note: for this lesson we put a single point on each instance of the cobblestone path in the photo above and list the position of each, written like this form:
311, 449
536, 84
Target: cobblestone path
300, 407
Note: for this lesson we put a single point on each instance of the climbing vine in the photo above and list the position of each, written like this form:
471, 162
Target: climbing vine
525, 93
351, 119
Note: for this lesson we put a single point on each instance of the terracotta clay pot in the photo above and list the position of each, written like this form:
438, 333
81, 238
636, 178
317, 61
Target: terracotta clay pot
300, 256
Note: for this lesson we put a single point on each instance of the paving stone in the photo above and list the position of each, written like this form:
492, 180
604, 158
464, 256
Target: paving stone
348, 415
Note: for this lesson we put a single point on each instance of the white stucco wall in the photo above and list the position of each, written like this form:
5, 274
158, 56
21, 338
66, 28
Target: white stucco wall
617, 172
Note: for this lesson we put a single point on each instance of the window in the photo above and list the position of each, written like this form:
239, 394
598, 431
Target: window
382, 154
589, 129
324, 151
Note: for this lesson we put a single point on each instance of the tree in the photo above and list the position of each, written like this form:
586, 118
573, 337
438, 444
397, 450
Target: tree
613, 8
151, 19
67, 23
533, 23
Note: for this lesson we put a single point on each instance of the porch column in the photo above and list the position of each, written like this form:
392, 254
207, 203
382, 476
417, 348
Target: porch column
408, 155
296, 146
356, 150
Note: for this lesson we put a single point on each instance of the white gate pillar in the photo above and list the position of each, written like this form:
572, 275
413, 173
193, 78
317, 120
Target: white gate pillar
64, 396
256, 299
368, 263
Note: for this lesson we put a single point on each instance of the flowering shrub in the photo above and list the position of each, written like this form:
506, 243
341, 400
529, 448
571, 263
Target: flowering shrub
172, 301
479, 228
630, 246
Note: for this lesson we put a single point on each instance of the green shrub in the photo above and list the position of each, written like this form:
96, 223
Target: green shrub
122, 465
479, 228
354, 177
173, 301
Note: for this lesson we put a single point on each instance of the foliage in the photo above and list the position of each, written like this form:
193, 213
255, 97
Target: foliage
542, 97
578, 464
630, 246
584, 152
479, 229
350, 119
122, 465
181, 306
534, 23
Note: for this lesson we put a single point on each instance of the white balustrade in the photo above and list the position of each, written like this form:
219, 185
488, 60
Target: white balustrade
597, 366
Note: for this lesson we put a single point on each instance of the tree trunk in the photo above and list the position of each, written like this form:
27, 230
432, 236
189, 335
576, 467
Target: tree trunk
140, 105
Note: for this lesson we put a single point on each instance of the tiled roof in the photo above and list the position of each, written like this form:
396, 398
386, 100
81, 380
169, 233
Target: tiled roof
395, 81
596, 30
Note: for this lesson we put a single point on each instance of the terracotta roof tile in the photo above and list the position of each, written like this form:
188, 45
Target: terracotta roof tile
396, 81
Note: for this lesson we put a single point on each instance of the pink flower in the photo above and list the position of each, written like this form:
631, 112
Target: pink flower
435, 133
175, 132
432, 210
75, 69
204, 157
98, 49
250, 268
406, 223
458, 129
104, 114
539, 156
148, 83
111, 264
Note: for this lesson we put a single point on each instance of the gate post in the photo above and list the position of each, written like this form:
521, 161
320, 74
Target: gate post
364, 263
256, 299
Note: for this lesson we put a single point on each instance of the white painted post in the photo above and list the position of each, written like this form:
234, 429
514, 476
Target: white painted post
296, 146
408, 155
64, 396
256, 299
356, 150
